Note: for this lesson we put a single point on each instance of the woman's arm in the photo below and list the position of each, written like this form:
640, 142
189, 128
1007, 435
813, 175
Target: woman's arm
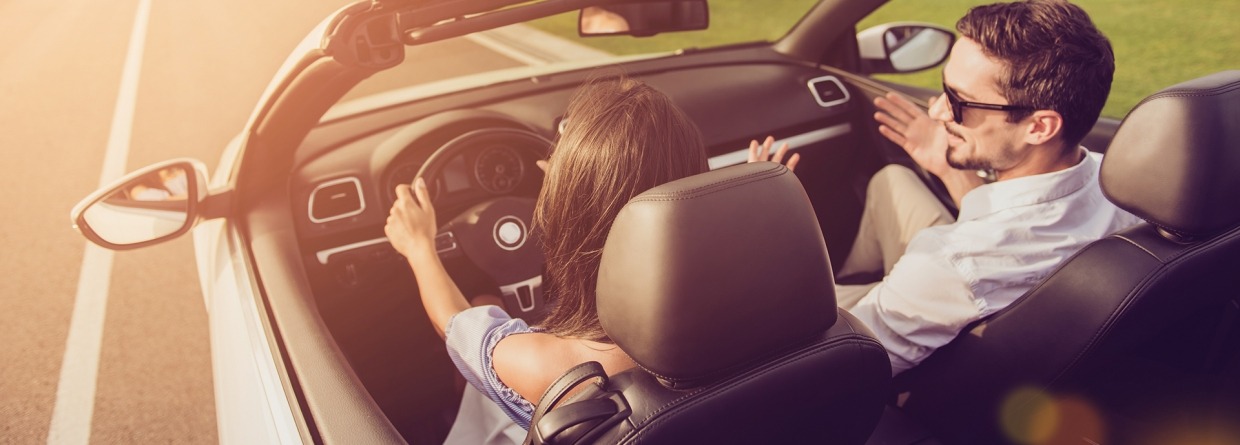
411, 229
530, 363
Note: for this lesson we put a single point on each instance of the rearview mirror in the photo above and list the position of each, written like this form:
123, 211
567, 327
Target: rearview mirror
903, 47
643, 19
147, 206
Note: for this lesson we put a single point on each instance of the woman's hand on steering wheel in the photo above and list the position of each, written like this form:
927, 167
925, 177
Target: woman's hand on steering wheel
411, 225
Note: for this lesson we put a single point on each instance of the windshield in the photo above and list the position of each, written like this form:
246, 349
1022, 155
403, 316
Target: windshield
554, 39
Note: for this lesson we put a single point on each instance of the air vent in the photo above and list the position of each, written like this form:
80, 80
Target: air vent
336, 199
828, 91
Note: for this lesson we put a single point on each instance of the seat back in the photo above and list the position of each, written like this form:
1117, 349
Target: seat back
720, 289
1130, 326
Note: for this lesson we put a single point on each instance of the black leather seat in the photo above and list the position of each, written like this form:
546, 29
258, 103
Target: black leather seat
1137, 330
719, 287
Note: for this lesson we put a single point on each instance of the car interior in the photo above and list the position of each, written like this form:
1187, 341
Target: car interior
347, 169
366, 292
369, 299
1132, 338
1146, 304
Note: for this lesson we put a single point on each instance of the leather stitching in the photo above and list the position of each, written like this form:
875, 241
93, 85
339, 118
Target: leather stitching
839, 341
714, 187
1129, 301
1139, 246
742, 365
1213, 91
850, 340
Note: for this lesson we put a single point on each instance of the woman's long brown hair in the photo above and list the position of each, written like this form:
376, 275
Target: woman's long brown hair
621, 138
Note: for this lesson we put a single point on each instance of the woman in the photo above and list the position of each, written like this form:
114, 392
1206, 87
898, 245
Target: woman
622, 138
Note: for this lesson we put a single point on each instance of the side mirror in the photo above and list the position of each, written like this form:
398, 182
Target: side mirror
903, 47
155, 203
643, 19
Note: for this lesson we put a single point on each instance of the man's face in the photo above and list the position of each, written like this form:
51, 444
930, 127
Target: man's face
983, 139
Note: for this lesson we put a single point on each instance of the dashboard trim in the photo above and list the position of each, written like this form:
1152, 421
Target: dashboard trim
361, 198
326, 254
794, 142
818, 98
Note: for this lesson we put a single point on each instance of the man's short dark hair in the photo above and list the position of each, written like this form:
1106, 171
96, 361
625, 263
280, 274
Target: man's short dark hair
1054, 57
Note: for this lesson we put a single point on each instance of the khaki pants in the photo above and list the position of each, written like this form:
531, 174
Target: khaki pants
897, 206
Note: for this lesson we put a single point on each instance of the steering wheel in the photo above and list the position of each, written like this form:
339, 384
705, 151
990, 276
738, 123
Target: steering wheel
495, 234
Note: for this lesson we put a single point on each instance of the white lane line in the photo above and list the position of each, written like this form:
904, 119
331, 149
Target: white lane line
75, 393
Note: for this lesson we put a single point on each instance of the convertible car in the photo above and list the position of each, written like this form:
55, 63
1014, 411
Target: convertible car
318, 335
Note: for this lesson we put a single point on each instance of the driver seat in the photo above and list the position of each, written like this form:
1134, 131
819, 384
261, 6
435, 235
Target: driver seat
1138, 330
720, 289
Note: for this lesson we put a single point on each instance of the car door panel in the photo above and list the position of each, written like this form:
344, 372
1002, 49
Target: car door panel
251, 400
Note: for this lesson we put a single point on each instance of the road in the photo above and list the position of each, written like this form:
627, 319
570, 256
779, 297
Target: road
204, 65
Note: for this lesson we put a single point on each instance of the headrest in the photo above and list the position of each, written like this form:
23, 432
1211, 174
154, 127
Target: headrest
1175, 160
709, 273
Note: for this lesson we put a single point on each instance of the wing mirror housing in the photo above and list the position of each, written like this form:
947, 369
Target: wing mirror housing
643, 19
151, 205
903, 47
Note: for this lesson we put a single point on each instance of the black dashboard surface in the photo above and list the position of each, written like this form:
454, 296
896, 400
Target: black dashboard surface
731, 104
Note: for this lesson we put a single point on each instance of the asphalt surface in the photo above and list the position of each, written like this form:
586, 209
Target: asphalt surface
205, 64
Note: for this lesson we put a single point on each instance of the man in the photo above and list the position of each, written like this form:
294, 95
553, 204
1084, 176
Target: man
1024, 84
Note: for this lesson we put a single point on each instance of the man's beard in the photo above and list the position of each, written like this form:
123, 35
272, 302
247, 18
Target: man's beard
967, 164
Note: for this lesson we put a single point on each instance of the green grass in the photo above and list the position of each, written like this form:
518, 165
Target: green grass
1157, 43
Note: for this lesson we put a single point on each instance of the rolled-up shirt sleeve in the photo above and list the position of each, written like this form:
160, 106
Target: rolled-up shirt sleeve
471, 336
920, 306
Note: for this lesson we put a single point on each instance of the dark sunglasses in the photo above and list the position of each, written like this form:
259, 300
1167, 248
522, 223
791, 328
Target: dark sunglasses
958, 105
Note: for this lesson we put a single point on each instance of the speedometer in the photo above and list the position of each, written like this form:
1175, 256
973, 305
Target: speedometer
499, 169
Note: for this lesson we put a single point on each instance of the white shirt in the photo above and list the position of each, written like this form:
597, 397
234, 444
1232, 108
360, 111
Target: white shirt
1009, 236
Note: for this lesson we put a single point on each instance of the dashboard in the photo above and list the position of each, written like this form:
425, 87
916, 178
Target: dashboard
346, 172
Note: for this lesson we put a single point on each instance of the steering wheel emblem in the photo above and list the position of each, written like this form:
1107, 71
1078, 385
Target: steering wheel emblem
509, 233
